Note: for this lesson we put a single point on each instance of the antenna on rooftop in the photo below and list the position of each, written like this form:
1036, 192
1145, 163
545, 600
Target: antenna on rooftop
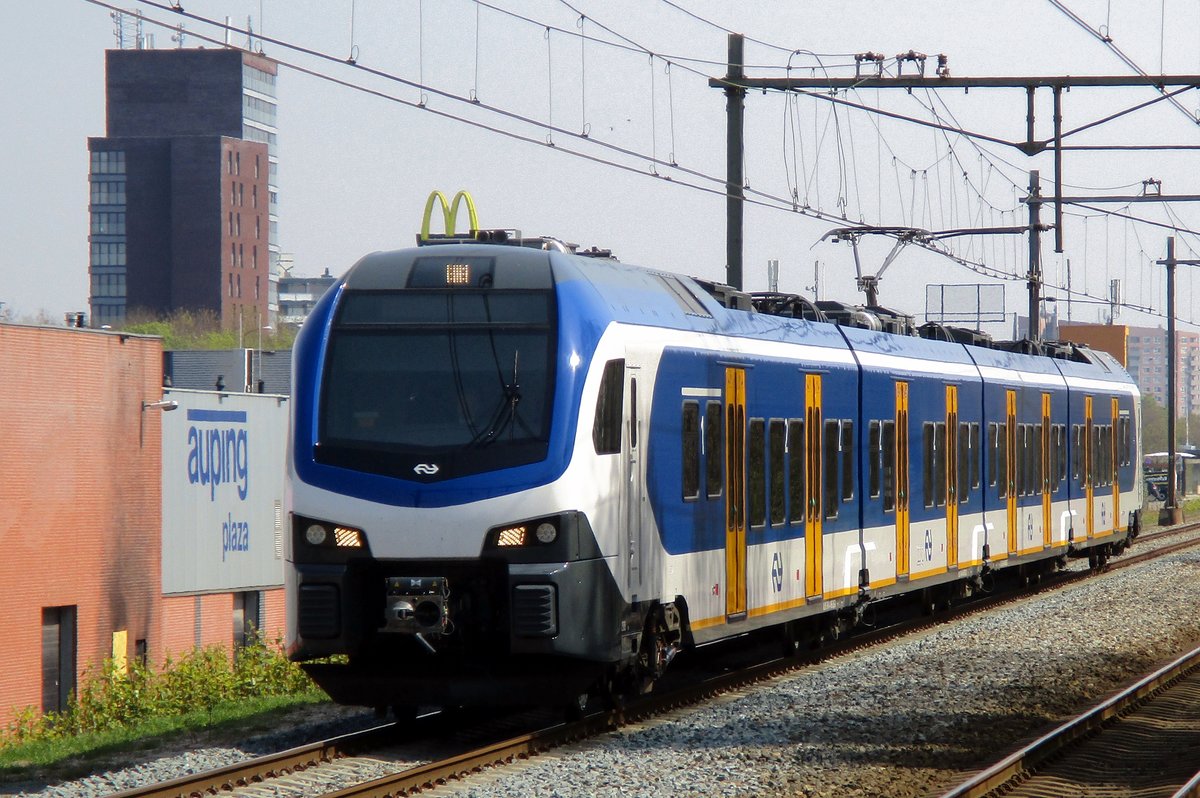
127, 28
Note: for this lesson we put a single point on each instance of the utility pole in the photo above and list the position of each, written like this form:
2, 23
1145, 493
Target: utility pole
1172, 513
1035, 255
735, 109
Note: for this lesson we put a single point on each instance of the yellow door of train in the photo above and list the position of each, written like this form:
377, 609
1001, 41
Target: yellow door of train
814, 583
902, 522
1047, 468
952, 486
1115, 463
1089, 469
1010, 470
735, 492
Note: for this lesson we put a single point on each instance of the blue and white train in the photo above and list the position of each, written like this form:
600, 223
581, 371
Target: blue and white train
520, 474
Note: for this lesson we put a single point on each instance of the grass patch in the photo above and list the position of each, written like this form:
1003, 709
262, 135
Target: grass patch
118, 711
78, 755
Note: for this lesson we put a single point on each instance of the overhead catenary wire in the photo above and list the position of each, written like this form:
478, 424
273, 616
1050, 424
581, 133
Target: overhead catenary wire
760, 198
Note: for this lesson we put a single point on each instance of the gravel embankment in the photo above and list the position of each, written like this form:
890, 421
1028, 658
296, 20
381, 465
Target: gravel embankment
898, 722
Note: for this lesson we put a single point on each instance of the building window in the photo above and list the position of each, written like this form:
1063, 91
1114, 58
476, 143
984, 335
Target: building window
108, 284
108, 162
108, 192
108, 253
237, 163
108, 224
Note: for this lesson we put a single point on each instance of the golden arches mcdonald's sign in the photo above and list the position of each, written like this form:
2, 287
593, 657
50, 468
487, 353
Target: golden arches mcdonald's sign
449, 212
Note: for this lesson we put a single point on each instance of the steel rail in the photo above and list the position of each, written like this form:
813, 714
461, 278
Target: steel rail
1029, 757
523, 746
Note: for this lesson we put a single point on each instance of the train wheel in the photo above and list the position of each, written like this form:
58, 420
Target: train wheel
792, 639
577, 708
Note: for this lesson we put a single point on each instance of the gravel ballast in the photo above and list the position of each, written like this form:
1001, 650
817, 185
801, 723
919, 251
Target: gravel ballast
904, 720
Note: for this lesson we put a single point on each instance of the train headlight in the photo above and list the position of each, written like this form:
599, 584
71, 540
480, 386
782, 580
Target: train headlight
546, 532
345, 537
316, 534
513, 536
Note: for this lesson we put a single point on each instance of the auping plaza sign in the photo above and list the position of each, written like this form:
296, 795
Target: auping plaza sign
223, 482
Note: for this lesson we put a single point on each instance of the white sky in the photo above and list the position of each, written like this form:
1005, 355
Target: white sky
355, 169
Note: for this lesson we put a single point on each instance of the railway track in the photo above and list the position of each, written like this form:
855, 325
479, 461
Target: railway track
1143, 741
495, 744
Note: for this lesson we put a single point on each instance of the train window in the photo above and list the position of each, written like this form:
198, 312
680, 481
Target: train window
1122, 441
1093, 459
965, 456
888, 447
1026, 460
993, 453
976, 453
776, 436
1077, 451
1038, 445
847, 460
795, 442
939, 463
713, 449
928, 440
1106, 454
691, 450
756, 477
1002, 460
1061, 459
830, 468
606, 429
1126, 442
633, 414
873, 432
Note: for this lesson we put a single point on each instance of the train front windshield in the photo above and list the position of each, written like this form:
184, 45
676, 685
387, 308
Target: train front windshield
429, 385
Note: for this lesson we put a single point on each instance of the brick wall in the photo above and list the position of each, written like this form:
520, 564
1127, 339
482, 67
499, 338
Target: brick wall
80, 483
81, 489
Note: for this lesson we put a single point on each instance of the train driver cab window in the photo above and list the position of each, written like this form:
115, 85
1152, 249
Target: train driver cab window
606, 429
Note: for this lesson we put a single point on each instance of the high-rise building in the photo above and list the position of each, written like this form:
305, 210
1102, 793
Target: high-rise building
299, 295
183, 187
1143, 352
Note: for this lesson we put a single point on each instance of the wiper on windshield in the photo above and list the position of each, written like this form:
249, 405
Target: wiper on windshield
511, 397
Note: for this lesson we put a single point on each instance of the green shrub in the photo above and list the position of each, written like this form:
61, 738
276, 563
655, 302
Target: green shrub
200, 680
